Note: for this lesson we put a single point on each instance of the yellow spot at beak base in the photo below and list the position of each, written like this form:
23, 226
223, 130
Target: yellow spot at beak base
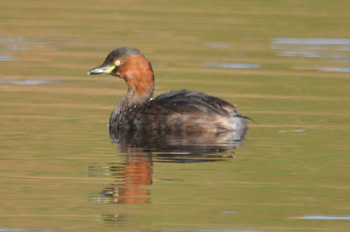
109, 69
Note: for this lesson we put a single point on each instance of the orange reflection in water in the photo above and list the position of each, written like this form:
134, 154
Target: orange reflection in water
132, 176
140, 150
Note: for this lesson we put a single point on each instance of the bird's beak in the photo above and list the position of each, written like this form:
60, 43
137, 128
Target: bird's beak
101, 69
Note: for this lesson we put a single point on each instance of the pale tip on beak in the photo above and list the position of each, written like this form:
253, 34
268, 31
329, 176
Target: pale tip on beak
101, 69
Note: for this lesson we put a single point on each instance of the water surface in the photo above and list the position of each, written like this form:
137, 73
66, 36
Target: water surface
61, 171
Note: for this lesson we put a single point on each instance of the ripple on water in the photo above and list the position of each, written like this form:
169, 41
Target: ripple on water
21, 44
211, 230
229, 212
29, 82
231, 65
312, 41
217, 45
321, 48
324, 69
24, 229
325, 217
7, 57
130, 176
308, 54
296, 131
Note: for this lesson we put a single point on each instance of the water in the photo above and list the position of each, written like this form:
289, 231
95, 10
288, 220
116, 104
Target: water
61, 170
217, 45
319, 48
7, 57
231, 65
139, 153
28, 82
324, 217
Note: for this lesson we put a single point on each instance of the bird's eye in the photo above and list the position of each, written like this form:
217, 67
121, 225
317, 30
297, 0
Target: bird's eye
117, 62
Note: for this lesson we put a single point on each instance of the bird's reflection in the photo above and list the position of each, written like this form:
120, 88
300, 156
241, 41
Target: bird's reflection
140, 150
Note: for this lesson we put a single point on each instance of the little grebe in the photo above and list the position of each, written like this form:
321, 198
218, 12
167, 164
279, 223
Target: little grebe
177, 111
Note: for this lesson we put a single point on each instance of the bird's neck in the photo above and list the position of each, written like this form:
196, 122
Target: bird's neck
130, 101
138, 75
134, 98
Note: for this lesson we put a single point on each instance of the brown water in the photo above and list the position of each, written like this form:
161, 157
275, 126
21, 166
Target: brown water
285, 64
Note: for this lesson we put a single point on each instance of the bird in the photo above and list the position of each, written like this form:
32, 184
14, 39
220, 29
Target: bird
178, 111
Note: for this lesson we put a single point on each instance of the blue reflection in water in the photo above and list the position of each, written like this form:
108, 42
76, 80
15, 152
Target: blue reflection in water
319, 41
296, 131
312, 54
24, 230
300, 130
211, 230
322, 48
217, 45
231, 65
7, 57
323, 217
29, 82
229, 212
333, 69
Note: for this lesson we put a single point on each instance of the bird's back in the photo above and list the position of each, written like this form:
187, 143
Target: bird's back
183, 111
